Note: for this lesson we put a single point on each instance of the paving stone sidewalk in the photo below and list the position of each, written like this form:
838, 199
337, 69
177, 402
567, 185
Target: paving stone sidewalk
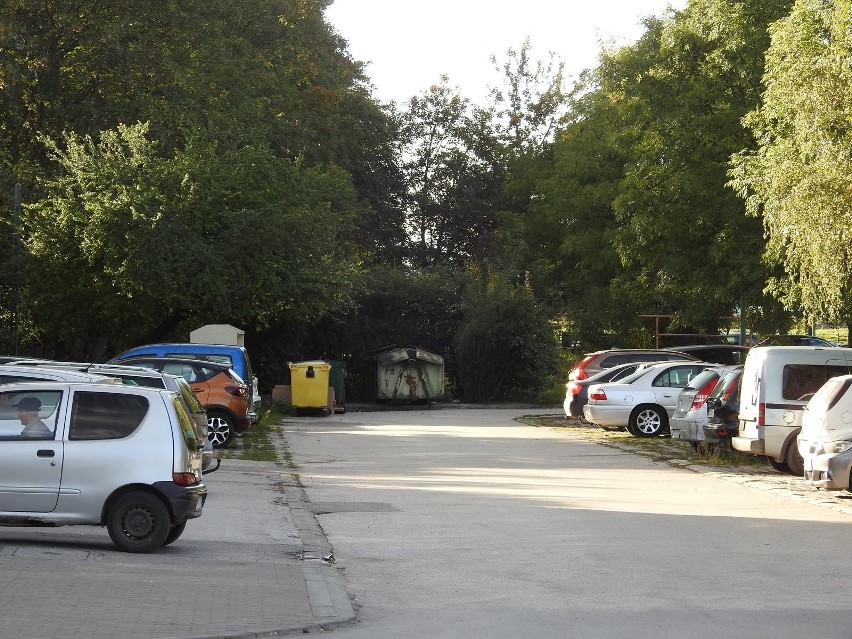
251, 566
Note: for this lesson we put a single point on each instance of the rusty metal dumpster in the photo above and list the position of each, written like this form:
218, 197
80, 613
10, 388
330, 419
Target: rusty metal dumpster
409, 374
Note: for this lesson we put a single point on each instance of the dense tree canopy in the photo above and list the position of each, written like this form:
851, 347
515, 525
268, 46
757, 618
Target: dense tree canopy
799, 177
192, 162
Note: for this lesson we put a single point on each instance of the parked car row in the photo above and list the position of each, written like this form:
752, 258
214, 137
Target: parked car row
791, 404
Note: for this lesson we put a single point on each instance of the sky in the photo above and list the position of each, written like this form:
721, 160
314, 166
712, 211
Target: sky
408, 44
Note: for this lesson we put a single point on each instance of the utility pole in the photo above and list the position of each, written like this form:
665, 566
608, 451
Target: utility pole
16, 295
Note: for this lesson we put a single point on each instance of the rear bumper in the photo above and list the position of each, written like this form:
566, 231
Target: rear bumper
749, 445
242, 424
609, 416
718, 433
686, 429
573, 408
186, 502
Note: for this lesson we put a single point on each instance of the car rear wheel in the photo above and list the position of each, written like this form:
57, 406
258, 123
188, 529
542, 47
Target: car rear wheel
174, 533
220, 429
648, 421
138, 522
780, 466
794, 461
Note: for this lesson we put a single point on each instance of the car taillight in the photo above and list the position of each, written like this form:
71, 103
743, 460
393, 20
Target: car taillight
702, 394
184, 479
579, 371
761, 414
573, 388
236, 391
598, 395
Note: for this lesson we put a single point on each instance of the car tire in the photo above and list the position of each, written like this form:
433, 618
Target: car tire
220, 429
138, 522
174, 533
648, 421
780, 466
794, 461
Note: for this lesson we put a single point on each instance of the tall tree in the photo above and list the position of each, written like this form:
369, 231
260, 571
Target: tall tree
798, 177
452, 166
697, 75
132, 243
530, 100
641, 218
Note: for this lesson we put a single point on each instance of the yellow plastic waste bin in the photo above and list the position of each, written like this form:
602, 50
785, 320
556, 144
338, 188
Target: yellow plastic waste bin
309, 384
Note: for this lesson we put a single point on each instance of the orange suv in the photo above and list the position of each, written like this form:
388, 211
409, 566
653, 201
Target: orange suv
219, 389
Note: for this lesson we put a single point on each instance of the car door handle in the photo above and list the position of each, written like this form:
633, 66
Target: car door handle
46, 452
198, 390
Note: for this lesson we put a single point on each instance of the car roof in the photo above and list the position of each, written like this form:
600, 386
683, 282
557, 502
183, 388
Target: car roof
71, 374
88, 367
686, 348
176, 360
92, 386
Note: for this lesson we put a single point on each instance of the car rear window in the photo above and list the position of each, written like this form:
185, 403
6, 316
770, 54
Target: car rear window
800, 381
702, 378
626, 358
106, 415
191, 399
191, 372
185, 422
728, 384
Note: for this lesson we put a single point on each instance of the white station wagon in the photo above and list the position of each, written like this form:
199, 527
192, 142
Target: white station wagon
123, 457
642, 402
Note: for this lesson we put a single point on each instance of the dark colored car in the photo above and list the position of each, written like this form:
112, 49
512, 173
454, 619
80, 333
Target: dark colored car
723, 408
594, 363
725, 354
797, 340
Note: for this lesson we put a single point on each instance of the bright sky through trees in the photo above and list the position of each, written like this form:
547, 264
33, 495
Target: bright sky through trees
409, 44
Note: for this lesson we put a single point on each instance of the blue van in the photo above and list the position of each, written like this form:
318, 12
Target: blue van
234, 356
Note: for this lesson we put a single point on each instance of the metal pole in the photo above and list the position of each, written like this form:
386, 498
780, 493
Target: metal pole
16, 295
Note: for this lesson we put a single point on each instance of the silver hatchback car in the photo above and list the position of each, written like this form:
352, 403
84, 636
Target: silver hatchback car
123, 457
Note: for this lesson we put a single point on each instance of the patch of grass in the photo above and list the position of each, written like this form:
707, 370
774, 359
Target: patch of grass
656, 448
255, 444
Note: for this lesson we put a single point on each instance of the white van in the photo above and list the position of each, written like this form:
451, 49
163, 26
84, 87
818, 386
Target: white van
777, 383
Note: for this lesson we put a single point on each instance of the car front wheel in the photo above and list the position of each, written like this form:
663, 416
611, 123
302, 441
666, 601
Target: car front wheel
220, 429
648, 421
138, 522
174, 533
